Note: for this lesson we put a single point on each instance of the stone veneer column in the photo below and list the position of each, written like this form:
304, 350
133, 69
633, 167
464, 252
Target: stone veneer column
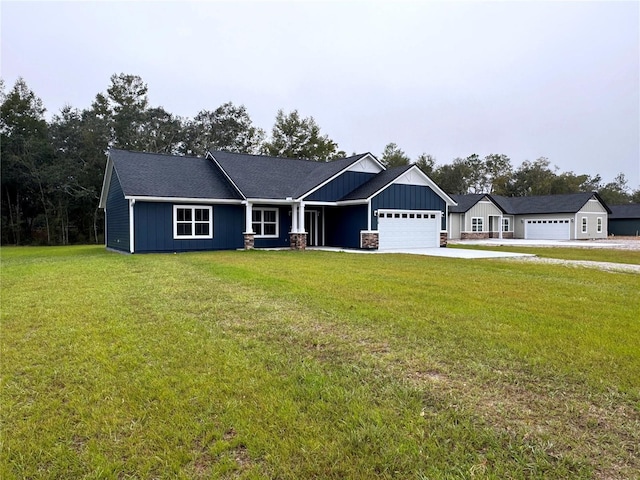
249, 240
443, 239
369, 240
298, 241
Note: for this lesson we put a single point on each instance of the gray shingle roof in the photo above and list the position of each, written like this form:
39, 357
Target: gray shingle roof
545, 204
261, 176
382, 179
465, 202
627, 211
157, 175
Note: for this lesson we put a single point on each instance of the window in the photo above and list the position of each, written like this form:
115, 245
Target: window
264, 222
584, 224
476, 224
599, 224
192, 222
506, 224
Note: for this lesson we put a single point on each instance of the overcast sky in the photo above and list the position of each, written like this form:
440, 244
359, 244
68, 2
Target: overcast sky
528, 79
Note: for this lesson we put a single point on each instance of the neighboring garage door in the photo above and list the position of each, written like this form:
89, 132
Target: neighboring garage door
400, 229
547, 229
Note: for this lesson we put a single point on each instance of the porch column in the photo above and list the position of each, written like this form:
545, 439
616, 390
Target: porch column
294, 218
249, 234
248, 217
500, 227
301, 220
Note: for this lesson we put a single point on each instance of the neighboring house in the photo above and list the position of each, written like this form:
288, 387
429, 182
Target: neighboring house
625, 219
166, 203
478, 216
574, 216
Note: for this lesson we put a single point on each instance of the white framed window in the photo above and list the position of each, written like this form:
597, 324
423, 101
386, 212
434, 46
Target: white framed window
192, 221
477, 224
584, 225
599, 224
506, 224
264, 222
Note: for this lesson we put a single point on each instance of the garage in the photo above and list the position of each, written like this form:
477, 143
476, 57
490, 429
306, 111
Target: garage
556, 229
401, 229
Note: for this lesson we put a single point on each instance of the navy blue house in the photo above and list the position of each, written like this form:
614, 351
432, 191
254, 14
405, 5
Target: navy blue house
168, 203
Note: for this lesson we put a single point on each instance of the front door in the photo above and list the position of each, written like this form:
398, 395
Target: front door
311, 225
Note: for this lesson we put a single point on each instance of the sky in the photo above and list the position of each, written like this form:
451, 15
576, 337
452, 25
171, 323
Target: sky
550, 79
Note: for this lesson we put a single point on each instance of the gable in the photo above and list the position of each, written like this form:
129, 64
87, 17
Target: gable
159, 176
366, 164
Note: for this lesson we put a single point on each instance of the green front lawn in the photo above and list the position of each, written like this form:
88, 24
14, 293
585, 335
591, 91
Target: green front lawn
294, 365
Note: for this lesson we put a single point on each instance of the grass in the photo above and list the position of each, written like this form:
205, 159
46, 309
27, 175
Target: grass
315, 365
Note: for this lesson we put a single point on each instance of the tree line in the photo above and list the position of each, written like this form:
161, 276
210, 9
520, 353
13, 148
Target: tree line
52, 171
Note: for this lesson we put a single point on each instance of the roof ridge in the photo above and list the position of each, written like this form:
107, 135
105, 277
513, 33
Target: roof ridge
138, 152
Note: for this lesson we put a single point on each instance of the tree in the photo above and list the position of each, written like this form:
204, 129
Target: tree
533, 178
616, 192
393, 156
296, 137
79, 140
26, 156
124, 105
453, 178
498, 173
159, 132
228, 128
426, 163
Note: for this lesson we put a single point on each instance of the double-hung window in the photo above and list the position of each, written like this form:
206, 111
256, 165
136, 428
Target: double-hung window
584, 225
192, 221
476, 224
599, 224
506, 224
264, 222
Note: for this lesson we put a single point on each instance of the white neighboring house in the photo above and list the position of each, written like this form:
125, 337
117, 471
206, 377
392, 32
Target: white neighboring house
574, 216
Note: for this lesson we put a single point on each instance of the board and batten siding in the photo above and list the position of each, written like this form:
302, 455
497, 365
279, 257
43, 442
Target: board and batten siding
407, 197
483, 209
284, 227
344, 224
340, 186
153, 231
117, 217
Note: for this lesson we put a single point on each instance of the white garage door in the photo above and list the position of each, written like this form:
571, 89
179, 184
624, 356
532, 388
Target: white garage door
547, 229
400, 229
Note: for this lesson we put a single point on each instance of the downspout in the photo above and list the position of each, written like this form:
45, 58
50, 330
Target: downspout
132, 202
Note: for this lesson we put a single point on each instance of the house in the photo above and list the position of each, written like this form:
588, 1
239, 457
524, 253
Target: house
624, 219
478, 216
574, 216
167, 203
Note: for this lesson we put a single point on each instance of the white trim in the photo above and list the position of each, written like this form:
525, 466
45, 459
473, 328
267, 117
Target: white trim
584, 224
106, 183
591, 213
207, 201
193, 222
132, 243
277, 222
274, 201
599, 225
